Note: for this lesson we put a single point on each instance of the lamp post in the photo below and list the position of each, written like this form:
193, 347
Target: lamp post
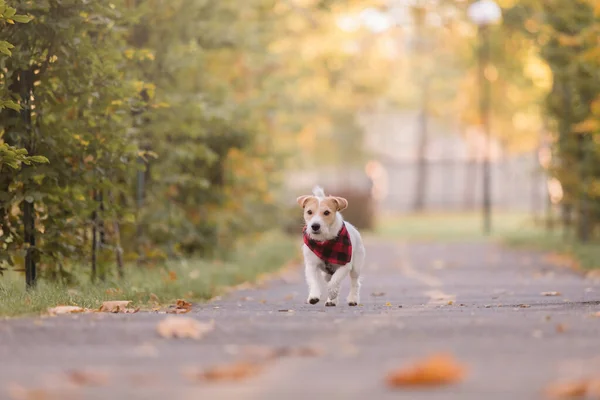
484, 13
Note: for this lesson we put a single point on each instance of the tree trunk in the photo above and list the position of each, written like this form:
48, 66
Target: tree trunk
94, 241
26, 92
30, 255
101, 233
421, 176
583, 214
117, 240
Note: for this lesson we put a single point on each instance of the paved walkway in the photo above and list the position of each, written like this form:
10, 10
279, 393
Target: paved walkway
480, 302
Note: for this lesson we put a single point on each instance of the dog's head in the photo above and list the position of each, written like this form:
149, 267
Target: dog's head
321, 214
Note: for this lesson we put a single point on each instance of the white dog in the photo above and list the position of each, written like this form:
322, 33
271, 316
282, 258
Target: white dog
332, 248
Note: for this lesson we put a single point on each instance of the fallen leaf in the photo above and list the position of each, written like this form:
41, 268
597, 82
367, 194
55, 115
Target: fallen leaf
594, 389
182, 327
550, 294
561, 328
117, 306
524, 306
450, 303
227, 372
88, 378
264, 353
440, 369
17, 392
181, 307
567, 390
66, 310
388, 304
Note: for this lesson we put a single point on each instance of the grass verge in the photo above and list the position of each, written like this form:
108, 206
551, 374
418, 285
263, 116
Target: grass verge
513, 229
451, 227
585, 256
194, 280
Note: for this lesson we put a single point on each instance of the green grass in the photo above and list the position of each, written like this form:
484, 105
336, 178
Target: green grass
194, 280
451, 227
586, 255
517, 230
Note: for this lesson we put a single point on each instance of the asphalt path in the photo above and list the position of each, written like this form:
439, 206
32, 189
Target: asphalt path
495, 310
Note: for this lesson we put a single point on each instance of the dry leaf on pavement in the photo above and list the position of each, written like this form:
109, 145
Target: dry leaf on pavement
561, 328
181, 307
265, 353
440, 369
567, 389
88, 378
182, 327
550, 293
117, 306
66, 310
17, 392
226, 372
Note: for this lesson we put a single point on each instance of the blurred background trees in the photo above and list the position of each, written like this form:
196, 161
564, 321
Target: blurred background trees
138, 130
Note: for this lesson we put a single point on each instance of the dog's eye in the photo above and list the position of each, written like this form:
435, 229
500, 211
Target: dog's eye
326, 212
309, 212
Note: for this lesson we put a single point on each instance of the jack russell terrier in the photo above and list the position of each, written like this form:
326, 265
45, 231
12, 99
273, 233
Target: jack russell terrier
332, 248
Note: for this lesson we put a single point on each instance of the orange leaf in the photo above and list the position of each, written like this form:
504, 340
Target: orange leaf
441, 369
181, 327
88, 378
117, 306
567, 390
589, 125
227, 372
66, 310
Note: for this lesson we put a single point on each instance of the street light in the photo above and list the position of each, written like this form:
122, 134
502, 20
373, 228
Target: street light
484, 13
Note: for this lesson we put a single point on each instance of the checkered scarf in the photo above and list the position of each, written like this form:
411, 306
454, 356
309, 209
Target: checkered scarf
335, 251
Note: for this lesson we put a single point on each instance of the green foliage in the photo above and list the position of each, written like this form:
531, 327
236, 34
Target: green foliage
142, 130
565, 34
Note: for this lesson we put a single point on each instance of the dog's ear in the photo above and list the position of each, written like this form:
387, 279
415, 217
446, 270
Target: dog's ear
302, 200
341, 202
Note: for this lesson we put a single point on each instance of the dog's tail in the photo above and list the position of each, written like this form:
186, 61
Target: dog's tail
318, 191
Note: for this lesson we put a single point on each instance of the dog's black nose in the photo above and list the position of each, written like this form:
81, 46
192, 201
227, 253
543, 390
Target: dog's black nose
315, 227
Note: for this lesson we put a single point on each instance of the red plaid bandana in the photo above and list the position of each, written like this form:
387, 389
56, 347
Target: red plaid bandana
335, 251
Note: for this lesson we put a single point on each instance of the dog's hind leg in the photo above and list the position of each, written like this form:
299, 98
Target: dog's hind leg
354, 295
333, 287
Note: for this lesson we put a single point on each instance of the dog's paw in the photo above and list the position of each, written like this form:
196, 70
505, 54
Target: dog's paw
313, 300
352, 304
330, 304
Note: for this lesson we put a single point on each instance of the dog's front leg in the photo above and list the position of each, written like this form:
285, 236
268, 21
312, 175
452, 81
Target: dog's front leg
312, 280
333, 287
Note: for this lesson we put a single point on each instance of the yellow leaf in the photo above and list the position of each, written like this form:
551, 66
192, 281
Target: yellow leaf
181, 327
117, 306
568, 40
66, 310
589, 125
